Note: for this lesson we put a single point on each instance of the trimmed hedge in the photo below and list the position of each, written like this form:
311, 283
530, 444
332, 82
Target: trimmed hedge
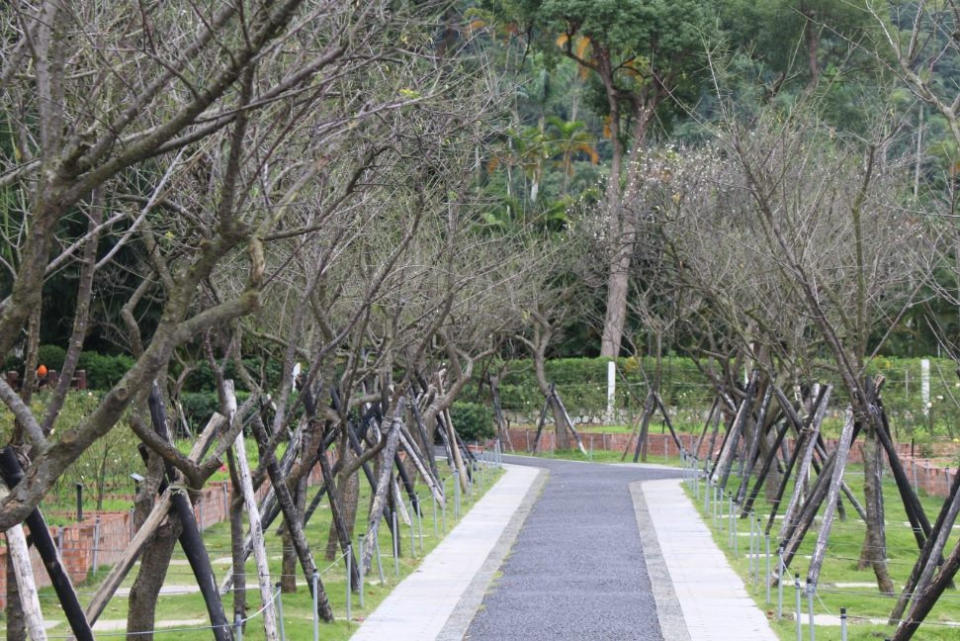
582, 383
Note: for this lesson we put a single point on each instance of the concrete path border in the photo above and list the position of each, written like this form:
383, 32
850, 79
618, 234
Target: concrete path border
440, 598
712, 598
669, 613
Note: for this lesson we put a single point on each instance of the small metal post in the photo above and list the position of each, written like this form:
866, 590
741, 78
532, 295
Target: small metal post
413, 529
79, 487
396, 545
443, 507
316, 597
434, 499
456, 494
360, 571
283, 631
200, 524
713, 505
419, 525
383, 579
796, 585
96, 544
237, 627
766, 543
811, 588
780, 571
730, 522
843, 624
349, 592
60, 539
751, 562
696, 479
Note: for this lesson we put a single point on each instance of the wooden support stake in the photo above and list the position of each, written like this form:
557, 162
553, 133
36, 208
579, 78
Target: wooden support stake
340, 523
641, 447
540, 424
764, 470
23, 569
159, 512
725, 462
833, 495
191, 540
426, 474
12, 473
820, 410
426, 455
759, 432
253, 514
919, 522
706, 427
666, 419
292, 518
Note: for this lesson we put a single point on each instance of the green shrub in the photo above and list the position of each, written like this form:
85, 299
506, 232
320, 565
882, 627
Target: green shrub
202, 379
473, 421
199, 406
12, 363
103, 371
52, 356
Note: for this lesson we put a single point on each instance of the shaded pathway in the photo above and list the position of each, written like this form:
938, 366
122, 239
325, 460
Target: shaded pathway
576, 570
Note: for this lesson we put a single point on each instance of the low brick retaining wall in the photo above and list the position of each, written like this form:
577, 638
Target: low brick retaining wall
102, 537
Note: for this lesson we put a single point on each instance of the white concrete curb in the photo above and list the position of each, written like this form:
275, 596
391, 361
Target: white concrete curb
418, 608
713, 599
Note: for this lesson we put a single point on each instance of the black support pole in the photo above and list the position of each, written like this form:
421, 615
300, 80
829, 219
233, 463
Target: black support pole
191, 539
40, 536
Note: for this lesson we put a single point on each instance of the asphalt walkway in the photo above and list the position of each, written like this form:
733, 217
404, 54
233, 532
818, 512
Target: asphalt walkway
577, 569
579, 551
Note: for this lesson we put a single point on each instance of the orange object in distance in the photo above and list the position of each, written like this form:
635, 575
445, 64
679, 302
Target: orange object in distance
42, 370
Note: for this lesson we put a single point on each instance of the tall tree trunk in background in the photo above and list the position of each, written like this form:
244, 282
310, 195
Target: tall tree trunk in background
874, 550
623, 218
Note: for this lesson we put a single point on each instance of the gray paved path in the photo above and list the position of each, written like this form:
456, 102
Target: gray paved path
577, 569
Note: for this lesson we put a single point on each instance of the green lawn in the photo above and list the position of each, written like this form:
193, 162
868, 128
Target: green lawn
840, 567
297, 607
